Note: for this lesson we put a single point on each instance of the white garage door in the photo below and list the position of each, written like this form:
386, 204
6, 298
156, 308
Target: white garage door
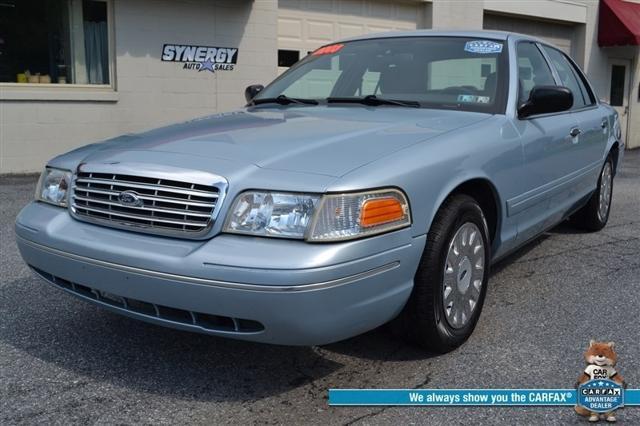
560, 35
305, 25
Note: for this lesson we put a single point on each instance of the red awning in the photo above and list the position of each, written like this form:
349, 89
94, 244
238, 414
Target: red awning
619, 23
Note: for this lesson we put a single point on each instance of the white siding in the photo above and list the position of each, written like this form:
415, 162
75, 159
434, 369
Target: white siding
304, 25
561, 35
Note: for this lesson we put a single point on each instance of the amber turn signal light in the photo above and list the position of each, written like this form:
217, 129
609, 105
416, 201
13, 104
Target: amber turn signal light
380, 211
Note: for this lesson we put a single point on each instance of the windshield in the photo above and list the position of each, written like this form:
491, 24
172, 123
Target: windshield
436, 72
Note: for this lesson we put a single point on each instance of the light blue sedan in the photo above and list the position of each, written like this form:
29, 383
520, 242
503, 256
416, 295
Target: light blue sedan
377, 179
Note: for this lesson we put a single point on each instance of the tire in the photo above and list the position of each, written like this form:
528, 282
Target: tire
595, 214
429, 319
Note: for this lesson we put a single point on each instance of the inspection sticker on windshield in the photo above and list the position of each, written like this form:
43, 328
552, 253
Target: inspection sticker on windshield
473, 98
483, 46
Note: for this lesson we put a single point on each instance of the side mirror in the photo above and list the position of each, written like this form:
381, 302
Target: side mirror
251, 91
545, 100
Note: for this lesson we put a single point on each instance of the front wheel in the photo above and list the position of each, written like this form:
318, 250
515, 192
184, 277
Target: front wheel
595, 214
451, 281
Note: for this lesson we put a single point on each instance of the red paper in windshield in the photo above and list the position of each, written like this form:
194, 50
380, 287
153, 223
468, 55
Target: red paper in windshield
328, 50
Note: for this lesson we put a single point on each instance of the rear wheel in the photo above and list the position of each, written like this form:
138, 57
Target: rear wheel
595, 214
451, 281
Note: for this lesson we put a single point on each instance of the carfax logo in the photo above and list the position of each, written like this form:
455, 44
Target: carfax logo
600, 387
201, 58
601, 396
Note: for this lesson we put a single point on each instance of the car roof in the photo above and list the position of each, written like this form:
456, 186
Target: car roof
496, 35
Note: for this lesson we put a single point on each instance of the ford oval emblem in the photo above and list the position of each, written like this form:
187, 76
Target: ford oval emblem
130, 199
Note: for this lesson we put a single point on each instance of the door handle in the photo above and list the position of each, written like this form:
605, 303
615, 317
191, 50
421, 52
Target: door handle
604, 124
574, 132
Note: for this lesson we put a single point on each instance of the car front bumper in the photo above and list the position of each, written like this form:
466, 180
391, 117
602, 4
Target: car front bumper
266, 290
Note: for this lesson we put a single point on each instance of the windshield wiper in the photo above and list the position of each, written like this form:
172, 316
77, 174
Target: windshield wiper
373, 100
284, 100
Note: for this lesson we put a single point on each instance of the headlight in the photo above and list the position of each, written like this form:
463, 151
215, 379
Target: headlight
332, 217
271, 214
349, 216
53, 186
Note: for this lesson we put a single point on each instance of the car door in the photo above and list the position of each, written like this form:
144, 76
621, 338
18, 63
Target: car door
590, 144
549, 154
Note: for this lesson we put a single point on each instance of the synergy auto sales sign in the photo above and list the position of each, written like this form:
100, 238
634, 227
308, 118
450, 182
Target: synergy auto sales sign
201, 58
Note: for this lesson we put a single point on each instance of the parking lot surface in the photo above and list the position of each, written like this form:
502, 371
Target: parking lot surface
64, 361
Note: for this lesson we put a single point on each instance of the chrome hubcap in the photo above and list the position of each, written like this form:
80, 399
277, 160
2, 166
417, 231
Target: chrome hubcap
605, 192
463, 275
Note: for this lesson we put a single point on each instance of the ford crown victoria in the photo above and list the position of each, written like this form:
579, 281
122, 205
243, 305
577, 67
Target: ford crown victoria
377, 179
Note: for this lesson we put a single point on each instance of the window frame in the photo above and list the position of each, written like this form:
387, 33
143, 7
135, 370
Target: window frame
539, 44
70, 91
554, 74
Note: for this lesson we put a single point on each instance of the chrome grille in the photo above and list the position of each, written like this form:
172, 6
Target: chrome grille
162, 206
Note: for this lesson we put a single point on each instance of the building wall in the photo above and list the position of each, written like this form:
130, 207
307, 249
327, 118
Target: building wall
461, 14
573, 26
598, 69
39, 123
304, 25
148, 92
562, 35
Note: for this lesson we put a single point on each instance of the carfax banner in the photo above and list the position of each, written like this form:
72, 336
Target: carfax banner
595, 400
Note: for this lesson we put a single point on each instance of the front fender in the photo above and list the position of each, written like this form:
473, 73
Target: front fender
430, 171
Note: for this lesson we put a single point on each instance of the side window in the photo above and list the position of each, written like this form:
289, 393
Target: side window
570, 78
587, 94
567, 76
533, 70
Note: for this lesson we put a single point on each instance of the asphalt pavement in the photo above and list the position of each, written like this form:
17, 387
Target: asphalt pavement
63, 361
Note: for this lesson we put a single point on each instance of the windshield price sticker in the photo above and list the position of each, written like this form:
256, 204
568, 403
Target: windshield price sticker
483, 46
328, 50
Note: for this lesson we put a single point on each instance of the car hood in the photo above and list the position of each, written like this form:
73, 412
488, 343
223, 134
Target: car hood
323, 140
